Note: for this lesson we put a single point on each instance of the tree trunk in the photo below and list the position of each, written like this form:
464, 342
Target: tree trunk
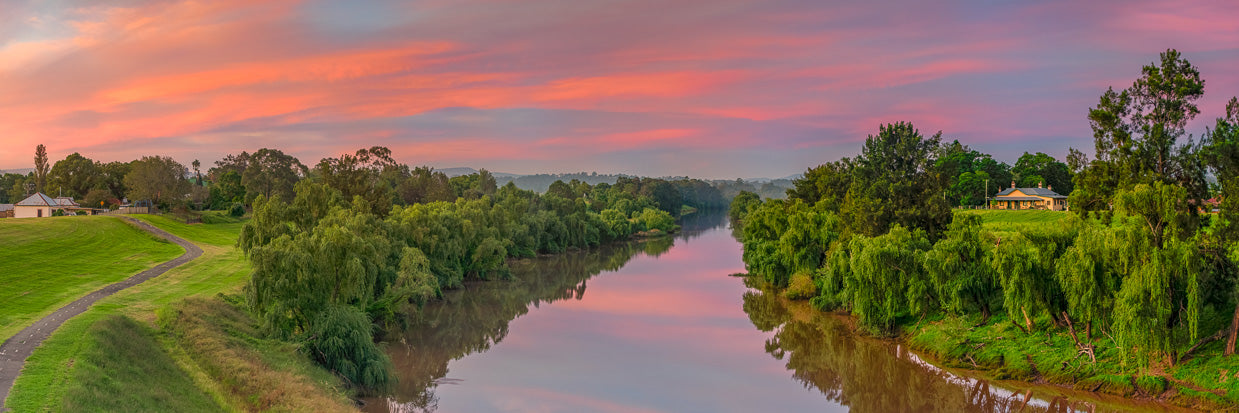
1027, 321
1234, 331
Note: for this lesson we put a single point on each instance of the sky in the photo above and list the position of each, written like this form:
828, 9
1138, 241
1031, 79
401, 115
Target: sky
703, 88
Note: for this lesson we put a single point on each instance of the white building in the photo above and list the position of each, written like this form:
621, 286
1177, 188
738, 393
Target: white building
40, 205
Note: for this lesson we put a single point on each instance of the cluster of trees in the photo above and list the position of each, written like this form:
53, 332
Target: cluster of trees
1138, 262
96, 184
341, 251
773, 189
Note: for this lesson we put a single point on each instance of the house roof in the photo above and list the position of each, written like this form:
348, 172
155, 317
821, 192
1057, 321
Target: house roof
6, 207
1035, 192
41, 199
38, 199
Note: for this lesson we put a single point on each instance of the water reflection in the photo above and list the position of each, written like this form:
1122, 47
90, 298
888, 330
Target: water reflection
869, 375
475, 318
666, 330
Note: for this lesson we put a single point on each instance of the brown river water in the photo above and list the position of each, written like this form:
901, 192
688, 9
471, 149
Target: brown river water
659, 326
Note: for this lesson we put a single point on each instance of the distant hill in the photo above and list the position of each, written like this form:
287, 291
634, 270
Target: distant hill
541, 182
22, 171
464, 170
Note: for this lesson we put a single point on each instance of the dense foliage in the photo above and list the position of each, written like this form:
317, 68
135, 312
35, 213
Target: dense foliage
328, 267
1138, 264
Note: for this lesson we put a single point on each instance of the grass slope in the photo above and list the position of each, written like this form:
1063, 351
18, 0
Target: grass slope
49, 262
190, 332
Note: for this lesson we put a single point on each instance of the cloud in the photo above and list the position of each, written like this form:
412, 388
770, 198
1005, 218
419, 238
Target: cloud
644, 86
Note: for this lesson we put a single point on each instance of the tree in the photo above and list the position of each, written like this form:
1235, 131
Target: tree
371, 174
1136, 130
889, 279
40, 168
158, 178
486, 182
113, 177
227, 190
959, 267
98, 198
197, 173
893, 182
828, 182
269, 172
424, 184
20, 187
1032, 170
75, 175
740, 205
234, 163
7, 183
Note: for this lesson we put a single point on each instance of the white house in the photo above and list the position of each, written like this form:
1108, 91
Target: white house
40, 205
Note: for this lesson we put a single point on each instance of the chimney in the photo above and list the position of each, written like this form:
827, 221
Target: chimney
1050, 187
1039, 184
1013, 183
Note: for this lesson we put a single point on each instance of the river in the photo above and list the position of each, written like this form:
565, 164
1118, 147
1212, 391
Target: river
660, 326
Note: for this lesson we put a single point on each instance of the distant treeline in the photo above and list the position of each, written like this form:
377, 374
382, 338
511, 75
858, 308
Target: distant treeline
1138, 264
729, 188
235, 181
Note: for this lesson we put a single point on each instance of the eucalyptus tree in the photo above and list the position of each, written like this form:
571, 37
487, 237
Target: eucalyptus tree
270, 172
157, 178
1136, 133
75, 175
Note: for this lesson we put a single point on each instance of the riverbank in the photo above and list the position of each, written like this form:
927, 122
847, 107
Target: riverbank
1206, 381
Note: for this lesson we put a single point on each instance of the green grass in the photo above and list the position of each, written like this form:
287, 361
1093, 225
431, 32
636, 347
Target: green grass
128, 371
997, 219
223, 235
49, 262
1206, 381
51, 375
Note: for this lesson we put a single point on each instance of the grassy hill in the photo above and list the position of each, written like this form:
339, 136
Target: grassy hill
49, 262
178, 342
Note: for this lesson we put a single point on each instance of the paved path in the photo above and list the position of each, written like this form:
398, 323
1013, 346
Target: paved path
13, 353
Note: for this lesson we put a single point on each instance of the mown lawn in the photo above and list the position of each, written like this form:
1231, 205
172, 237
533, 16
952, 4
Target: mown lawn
1005, 221
61, 374
46, 263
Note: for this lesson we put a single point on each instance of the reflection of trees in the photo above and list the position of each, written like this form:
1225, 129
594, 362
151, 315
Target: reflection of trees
472, 319
875, 376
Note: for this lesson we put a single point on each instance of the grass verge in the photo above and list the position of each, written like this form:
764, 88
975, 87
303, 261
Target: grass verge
49, 262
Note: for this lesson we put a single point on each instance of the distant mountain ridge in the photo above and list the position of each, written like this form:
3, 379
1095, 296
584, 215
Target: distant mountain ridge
20, 171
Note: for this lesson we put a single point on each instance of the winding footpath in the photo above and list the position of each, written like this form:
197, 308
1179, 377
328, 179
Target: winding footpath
16, 349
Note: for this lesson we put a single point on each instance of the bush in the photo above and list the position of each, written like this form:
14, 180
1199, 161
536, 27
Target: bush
237, 210
801, 287
340, 339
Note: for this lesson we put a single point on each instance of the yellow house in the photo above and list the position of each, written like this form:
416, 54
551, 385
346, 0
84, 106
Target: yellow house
1029, 198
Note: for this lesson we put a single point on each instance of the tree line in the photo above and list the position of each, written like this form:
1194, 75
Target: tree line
360, 244
1137, 262
234, 182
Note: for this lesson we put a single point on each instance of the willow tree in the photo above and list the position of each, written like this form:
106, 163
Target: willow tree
959, 267
1090, 277
1160, 257
888, 278
1025, 278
